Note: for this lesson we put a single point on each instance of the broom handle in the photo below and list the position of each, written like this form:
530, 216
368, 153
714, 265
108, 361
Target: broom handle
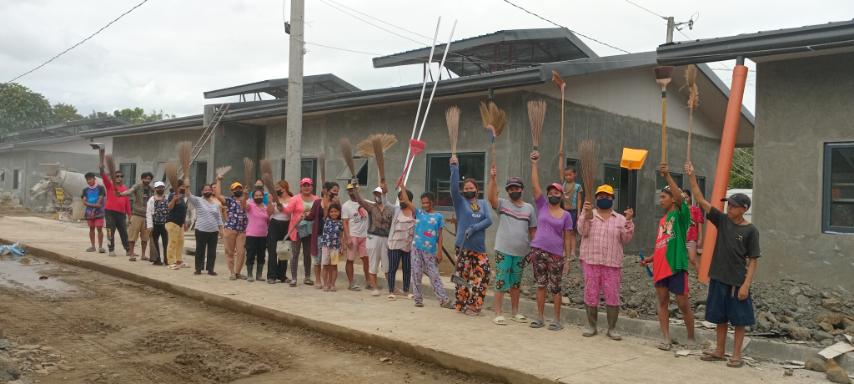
562, 156
690, 129
663, 125
424, 84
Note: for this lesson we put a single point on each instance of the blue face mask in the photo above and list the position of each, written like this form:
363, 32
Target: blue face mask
603, 203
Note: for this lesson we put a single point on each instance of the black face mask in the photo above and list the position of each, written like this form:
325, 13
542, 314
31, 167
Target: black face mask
515, 195
470, 195
207, 194
237, 193
160, 192
554, 200
279, 193
259, 200
403, 205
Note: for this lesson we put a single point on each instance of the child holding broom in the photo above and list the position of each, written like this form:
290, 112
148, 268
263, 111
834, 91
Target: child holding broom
330, 244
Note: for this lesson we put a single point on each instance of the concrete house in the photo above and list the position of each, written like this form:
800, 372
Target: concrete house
803, 184
613, 100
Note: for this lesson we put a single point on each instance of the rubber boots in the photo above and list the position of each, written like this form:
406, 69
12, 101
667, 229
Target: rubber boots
260, 268
592, 317
249, 277
613, 314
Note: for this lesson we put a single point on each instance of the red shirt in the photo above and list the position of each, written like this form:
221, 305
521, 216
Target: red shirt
115, 203
697, 218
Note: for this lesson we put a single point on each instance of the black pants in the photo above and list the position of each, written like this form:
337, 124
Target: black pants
205, 249
395, 257
303, 244
116, 221
158, 233
276, 232
256, 247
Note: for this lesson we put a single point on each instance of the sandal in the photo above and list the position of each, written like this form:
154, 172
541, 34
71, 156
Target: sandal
354, 288
735, 363
499, 320
519, 318
665, 346
293, 283
555, 326
536, 324
710, 357
391, 297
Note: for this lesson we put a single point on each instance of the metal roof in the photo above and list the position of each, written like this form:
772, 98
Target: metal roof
185, 122
502, 50
805, 39
312, 85
62, 130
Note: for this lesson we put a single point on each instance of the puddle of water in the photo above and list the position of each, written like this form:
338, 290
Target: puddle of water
18, 275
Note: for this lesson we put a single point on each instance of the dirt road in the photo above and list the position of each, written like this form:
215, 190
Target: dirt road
79, 326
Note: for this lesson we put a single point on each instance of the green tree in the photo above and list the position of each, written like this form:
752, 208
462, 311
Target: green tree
63, 113
21, 108
741, 172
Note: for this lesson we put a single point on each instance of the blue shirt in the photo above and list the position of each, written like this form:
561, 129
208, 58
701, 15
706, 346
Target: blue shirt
427, 230
469, 216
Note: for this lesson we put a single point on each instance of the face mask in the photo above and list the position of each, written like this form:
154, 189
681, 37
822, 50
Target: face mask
469, 195
237, 193
604, 203
403, 205
515, 195
378, 199
259, 200
160, 192
279, 193
333, 195
207, 194
554, 200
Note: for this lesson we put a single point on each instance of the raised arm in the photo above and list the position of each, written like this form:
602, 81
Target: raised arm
492, 188
404, 197
535, 176
664, 170
695, 189
456, 196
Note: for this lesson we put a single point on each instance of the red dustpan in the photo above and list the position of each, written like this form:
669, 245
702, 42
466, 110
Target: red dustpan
416, 147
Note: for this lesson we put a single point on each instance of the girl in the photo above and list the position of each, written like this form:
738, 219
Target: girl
400, 245
256, 232
279, 223
330, 242
317, 215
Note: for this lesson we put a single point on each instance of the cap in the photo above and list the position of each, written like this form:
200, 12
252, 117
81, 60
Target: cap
158, 184
555, 186
514, 182
378, 190
738, 200
306, 180
235, 185
605, 188
350, 186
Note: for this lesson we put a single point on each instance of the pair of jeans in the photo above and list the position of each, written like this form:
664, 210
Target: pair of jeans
303, 244
205, 250
158, 233
116, 221
276, 232
256, 247
395, 257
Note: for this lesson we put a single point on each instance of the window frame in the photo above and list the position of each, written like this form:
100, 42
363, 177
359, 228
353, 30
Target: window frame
16, 179
826, 193
129, 177
428, 173
313, 175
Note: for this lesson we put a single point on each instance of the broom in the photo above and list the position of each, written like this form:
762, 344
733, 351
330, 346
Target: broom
111, 165
494, 120
347, 154
221, 171
171, 172
452, 118
536, 115
377, 144
185, 149
662, 77
365, 148
693, 101
267, 175
560, 83
248, 173
587, 154
321, 162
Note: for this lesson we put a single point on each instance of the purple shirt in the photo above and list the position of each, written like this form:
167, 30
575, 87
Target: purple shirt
550, 230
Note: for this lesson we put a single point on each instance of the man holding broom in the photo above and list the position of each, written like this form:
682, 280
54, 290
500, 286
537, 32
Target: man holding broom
380, 213
117, 208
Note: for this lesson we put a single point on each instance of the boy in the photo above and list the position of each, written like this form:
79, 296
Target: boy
93, 199
731, 272
571, 198
670, 259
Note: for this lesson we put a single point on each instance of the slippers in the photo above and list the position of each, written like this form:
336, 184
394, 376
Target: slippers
665, 346
536, 324
711, 357
391, 297
555, 326
519, 318
499, 320
735, 363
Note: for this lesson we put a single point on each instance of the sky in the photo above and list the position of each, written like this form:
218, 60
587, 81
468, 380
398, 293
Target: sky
166, 53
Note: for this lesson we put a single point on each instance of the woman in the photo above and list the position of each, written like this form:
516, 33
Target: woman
554, 229
317, 215
234, 234
279, 223
156, 213
473, 218
603, 235
300, 229
400, 244
256, 232
209, 228
176, 224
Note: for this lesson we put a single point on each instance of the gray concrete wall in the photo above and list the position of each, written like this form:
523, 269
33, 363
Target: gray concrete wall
234, 142
150, 151
800, 105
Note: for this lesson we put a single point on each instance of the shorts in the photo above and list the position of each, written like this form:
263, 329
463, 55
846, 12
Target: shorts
358, 246
316, 259
676, 283
377, 247
137, 229
96, 222
723, 305
326, 256
548, 269
691, 245
508, 271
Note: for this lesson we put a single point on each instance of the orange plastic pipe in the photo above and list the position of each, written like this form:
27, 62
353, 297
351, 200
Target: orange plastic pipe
730, 131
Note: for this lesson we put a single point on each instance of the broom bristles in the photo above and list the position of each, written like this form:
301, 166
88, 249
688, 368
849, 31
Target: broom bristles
379, 156
587, 155
321, 162
663, 72
452, 118
267, 175
248, 173
171, 172
366, 147
691, 83
536, 116
111, 165
347, 154
494, 117
266, 166
185, 149
221, 171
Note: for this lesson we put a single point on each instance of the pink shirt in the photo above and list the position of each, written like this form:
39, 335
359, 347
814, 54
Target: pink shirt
257, 225
602, 240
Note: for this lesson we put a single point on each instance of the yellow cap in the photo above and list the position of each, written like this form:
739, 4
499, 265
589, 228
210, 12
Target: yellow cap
235, 185
605, 188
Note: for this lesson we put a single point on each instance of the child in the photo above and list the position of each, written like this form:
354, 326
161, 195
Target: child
670, 260
695, 230
93, 199
571, 198
330, 242
426, 242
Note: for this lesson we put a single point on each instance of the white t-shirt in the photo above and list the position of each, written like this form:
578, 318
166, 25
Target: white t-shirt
358, 218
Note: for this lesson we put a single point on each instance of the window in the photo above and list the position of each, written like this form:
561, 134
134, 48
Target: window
701, 181
129, 171
574, 164
200, 170
625, 186
16, 179
308, 168
438, 174
361, 165
2, 175
661, 182
838, 193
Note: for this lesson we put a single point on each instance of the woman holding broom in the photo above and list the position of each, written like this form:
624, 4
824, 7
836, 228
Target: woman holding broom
279, 223
473, 219
554, 228
300, 229
234, 234
209, 227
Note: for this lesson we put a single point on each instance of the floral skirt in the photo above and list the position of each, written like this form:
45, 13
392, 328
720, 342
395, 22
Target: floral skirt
473, 277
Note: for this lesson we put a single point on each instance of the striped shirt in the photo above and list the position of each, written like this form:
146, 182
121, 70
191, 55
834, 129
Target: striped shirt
208, 217
602, 240
402, 231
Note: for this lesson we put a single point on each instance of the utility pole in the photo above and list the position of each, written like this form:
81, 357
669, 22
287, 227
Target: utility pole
293, 133
671, 25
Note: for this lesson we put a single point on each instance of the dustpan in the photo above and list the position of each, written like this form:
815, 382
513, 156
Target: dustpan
633, 158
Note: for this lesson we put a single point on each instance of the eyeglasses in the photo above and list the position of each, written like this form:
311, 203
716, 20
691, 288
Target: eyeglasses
120, 177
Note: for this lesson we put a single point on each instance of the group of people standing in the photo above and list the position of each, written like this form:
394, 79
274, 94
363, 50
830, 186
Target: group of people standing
279, 225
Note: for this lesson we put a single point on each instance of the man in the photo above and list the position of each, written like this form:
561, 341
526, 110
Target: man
117, 209
731, 272
140, 192
356, 226
571, 199
517, 223
93, 199
156, 213
381, 213
670, 259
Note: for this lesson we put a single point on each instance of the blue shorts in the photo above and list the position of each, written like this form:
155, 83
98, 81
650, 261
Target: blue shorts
723, 305
676, 284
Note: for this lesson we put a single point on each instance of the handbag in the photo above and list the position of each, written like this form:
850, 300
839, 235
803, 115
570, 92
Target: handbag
284, 250
304, 228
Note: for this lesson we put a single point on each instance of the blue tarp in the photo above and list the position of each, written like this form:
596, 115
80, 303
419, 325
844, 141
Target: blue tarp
14, 249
